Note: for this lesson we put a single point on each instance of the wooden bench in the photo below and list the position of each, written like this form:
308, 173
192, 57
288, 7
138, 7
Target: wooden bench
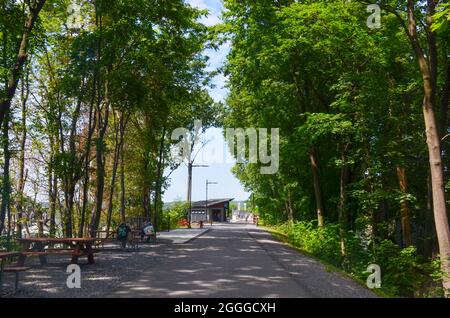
103, 237
138, 236
7, 266
132, 241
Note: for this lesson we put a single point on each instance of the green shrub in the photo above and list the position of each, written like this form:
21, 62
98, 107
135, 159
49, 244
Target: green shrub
174, 215
404, 274
9, 245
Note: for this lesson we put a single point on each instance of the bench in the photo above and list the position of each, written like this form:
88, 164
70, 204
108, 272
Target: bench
7, 266
141, 237
134, 238
103, 237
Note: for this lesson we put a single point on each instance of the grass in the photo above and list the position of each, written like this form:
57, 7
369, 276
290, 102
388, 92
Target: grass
282, 237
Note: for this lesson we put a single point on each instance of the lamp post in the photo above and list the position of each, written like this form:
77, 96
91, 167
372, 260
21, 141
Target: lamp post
206, 202
190, 167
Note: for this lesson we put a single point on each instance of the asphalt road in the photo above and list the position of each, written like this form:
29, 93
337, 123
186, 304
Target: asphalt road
237, 261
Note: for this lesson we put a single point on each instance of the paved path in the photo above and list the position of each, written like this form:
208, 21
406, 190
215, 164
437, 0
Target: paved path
235, 260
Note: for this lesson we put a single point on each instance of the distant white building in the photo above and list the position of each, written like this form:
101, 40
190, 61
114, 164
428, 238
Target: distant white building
242, 216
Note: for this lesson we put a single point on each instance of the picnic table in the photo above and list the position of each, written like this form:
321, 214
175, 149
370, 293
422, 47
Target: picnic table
10, 268
75, 247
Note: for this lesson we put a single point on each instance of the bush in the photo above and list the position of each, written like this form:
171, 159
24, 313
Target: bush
404, 273
174, 215
9, 245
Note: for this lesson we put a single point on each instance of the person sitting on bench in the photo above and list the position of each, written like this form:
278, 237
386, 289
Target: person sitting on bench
148, 230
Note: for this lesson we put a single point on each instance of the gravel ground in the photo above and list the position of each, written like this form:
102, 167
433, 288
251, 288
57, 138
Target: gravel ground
113, 267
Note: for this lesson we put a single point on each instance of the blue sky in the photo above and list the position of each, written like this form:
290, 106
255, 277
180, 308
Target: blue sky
228, 186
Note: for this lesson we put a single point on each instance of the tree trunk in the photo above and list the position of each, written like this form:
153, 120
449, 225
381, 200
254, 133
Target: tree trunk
73, 171
6, 187
102, 121
159, 179
146, 202
92, 122
122, 185
68, 217
289, 209
102, 115
405, 219
317, 187
20, 61
25, 91
434, 150
52, 193
342, 209
439, 205
430, 245
53, 140
189, 193
117, 155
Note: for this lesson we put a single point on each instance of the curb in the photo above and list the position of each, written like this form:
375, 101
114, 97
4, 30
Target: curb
195, 237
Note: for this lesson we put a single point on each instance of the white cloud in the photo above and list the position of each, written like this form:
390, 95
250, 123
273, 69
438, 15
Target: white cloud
198, 3
214, 8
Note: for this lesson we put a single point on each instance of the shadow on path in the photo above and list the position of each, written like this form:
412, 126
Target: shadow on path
235, 260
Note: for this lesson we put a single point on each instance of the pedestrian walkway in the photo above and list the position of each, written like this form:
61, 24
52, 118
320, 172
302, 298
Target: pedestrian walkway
235, 260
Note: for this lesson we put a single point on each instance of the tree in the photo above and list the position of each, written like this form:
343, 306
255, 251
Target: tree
345, 99
33, 8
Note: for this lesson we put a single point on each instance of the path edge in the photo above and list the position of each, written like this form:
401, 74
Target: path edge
195, 237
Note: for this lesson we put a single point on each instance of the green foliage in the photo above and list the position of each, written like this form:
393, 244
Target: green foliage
348, 102
404, 273
174, 215
139, 63
9, 244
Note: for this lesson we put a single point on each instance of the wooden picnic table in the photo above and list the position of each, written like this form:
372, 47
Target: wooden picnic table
42, 247
6, 255
10, 268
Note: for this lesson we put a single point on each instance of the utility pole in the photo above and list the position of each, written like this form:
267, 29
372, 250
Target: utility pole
206, 202
189, 194
253, 202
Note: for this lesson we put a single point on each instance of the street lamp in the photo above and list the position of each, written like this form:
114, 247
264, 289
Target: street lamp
206, 202
190, 167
